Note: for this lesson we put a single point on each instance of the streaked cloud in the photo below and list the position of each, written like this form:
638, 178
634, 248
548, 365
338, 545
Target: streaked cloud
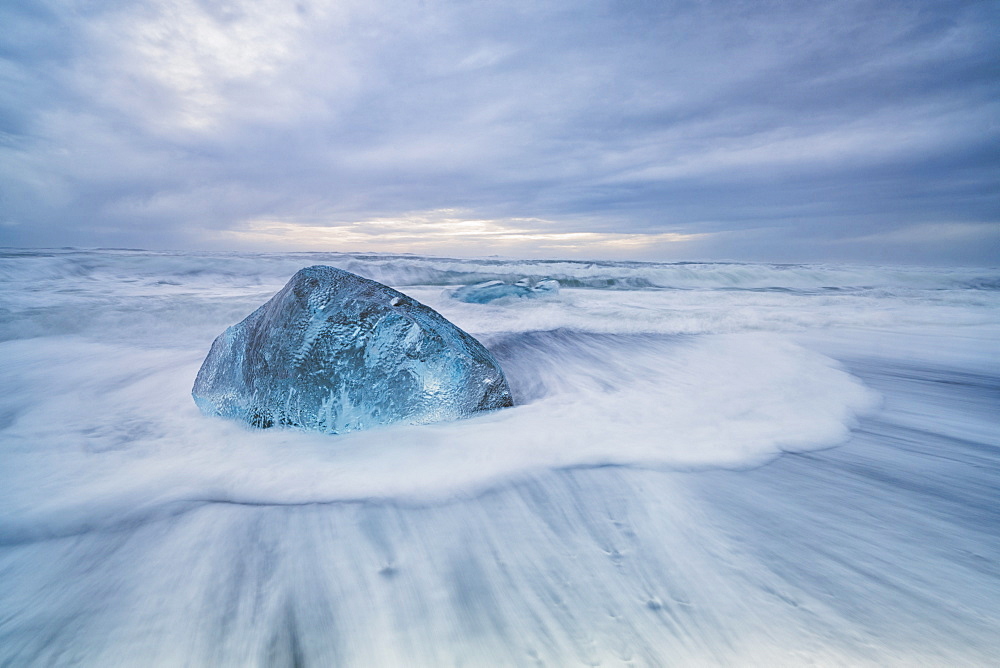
770, 130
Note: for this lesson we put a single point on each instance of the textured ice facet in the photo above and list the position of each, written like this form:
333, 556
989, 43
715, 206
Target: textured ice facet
336, 352
481, 293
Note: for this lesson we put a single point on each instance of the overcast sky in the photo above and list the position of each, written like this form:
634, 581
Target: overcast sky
679, 130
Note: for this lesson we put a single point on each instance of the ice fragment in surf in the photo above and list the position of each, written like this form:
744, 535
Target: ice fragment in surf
481, 293
336, 352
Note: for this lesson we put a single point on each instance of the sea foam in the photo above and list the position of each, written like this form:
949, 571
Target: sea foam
635, 506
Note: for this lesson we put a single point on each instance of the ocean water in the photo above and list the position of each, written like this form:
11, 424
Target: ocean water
707, 464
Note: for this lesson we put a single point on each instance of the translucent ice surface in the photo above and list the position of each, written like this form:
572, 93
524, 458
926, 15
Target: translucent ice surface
335, 352
482, 293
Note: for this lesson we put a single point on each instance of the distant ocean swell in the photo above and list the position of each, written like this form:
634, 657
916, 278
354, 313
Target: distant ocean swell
403, 270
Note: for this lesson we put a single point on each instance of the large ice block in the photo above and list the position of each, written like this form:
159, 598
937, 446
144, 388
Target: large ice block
335, 352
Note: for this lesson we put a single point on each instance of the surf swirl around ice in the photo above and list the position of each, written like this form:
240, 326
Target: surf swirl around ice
584, 400
665, 379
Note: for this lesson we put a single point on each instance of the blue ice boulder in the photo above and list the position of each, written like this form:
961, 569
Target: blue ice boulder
335, 352
482, 293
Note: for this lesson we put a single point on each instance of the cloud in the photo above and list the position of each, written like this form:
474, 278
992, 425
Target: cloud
766, 128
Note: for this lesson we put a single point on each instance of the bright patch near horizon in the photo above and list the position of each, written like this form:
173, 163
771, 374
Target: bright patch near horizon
448, 231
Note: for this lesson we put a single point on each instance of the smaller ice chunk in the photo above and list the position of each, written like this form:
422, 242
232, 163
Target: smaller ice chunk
336, 352
481, 293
